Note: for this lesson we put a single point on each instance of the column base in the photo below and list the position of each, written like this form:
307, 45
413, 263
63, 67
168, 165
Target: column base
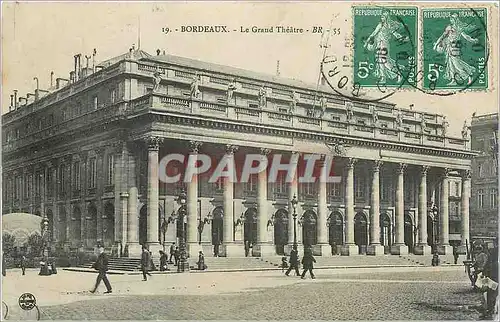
193, 250
232, 250
423, 249
349, 250
375, 250
399, 249
445, 249
134, 250
322, 250
262, 250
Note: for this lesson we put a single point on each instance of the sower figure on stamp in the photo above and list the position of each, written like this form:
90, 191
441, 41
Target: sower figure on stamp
101, 265
456, 69
145, 262
379, 42
308, 263
294, 262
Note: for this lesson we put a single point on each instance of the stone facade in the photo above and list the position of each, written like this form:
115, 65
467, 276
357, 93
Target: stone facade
87, 156
484, 205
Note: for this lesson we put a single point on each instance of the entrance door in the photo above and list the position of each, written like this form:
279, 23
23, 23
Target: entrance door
336, 232
385, 233
309, 233
360, 232
409, 233
250, 226
217, 226
280, 230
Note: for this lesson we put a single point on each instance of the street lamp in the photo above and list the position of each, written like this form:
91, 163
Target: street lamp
435, 256
44, 225
183, 265
294, 203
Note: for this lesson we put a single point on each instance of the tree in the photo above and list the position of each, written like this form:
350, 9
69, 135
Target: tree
8, 241
35, 244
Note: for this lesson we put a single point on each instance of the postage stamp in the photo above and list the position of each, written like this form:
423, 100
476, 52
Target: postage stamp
385, 46
455, 49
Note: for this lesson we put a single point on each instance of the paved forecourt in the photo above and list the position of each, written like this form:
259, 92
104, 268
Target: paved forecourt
386, 293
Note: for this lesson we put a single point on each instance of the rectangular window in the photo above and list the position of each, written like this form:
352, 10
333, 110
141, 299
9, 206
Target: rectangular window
480, 170
113, 96
457, 189
92, 172
111, 169
335, 189
281, 186
76, 176
96, 102
38, 183
308, 189
383, 125
493, 198
219, 184
62, 179
336, 118
253, 105
29, 185
359, 186
251, 184
480, 198
50, 182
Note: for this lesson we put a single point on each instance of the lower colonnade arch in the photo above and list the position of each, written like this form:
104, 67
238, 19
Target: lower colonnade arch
309, 228
76, 227
281, 226
361, 232
335, 232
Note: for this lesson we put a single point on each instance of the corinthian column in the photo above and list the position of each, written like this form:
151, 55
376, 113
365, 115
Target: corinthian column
375, 247
399, 247
466, 175
153, 198
444, 220
422, 248
263, 247
192, 204
322, 248
228, 247
350, 247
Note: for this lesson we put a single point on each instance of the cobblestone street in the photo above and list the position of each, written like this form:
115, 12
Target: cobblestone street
395, 293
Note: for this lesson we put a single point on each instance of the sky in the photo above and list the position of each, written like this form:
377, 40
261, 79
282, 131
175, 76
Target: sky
38, 38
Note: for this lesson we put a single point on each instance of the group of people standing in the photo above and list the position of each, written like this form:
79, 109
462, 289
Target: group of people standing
307, 262
486, 264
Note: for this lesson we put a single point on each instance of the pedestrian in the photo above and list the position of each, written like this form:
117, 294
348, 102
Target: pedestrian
201, 261
23, 264
163, 261
101, 265
145, 262
172, 253
4, 269
247, 248
294, 261
152, 266
307, 263
455, 254
284, 264
481, 259
491, 271
216, 249
177, 256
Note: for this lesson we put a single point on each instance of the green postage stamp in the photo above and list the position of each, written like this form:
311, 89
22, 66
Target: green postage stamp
385, 46
455, 48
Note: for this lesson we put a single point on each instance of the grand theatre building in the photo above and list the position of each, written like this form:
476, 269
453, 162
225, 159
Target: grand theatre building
85, 153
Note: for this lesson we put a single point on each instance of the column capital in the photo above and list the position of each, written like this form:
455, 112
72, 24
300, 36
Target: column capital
446, 172
100, 150
401, 168
376, 165
466, 174
153, 143
351, 162
424, 169
194, 146
265, 151
231, 149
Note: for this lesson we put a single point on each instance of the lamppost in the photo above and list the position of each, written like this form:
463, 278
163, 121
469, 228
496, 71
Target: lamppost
294, 203
435, 256
183, 265
44, 225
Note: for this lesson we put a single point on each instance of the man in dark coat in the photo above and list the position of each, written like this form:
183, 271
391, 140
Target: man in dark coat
177, 256
23, 264
172, 253
294, 262
491, 271
163, 261
102, 266
307, 263
145, 263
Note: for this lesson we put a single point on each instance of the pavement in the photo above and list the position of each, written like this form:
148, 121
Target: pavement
428, 293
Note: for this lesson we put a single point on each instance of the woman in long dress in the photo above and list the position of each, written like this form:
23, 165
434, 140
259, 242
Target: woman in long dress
379, 41
456, 69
